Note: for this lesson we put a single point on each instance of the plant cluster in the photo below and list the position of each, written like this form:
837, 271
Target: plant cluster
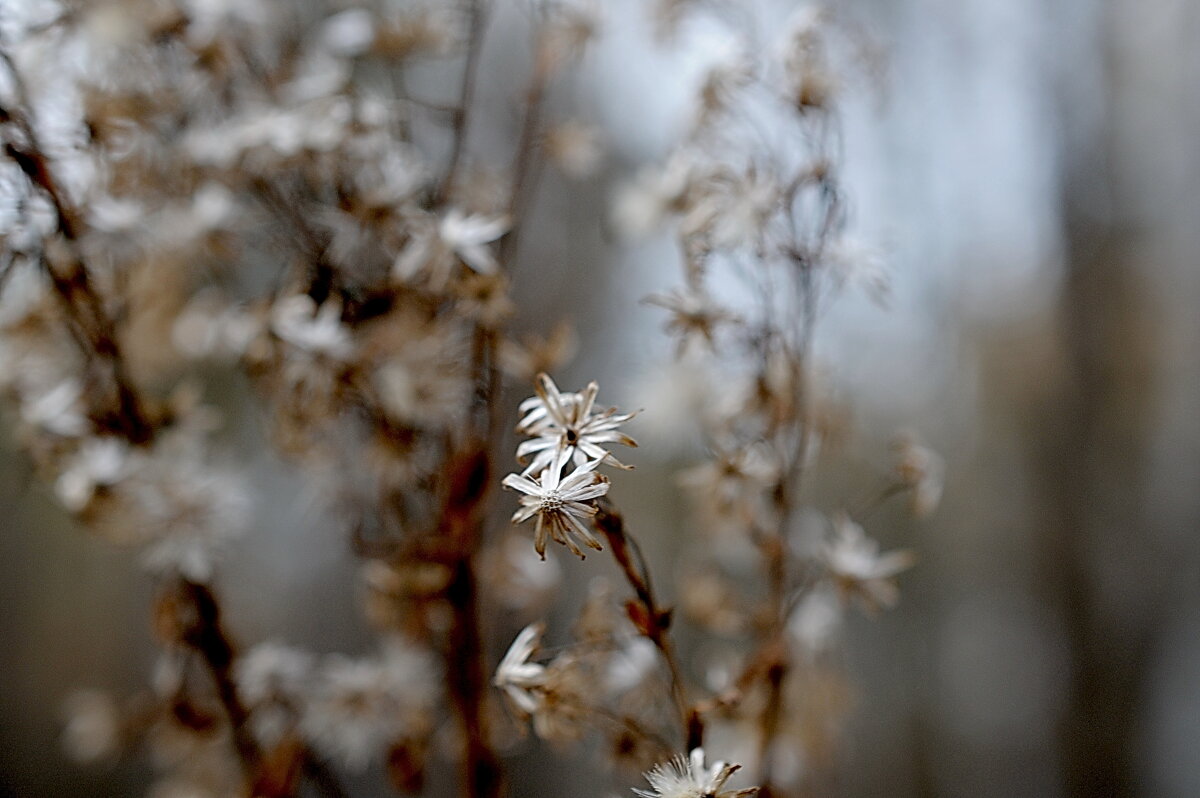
197, 187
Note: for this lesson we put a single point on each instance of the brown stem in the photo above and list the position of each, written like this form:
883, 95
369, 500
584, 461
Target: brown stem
652, 620
466, 94
467, 682
774, 547
91, 327
90, 323
323, 274
198, 615
93, 331
524, 173
199, 618
465, 674
776, 672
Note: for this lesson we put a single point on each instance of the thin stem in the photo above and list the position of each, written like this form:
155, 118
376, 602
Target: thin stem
201, 631
6, 270
524, 170
461, 113
805, 257
648, 615
92, 326
323, 274
877, 500
776, 672
633, 727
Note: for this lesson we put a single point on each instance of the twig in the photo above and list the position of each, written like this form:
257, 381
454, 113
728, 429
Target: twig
93, 328
461, 114
524, 171
877, 500
323, 273
805, 256
199, 617
648, 615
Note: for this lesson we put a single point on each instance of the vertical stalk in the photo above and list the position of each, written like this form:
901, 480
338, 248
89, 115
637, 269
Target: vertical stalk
459, 124
465, 672
199, 616
468, 683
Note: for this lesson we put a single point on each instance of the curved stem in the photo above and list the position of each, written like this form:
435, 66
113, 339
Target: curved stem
90, 323
648, 615
201, 631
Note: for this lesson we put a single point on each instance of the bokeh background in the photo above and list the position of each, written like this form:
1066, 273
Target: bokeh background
1027, 171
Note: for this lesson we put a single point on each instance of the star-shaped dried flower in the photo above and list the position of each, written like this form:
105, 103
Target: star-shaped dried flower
517, 676
689, 778
468, 236
99, 462
694, 316
565, 423
859, 569
317, 330
563, 506
438, 245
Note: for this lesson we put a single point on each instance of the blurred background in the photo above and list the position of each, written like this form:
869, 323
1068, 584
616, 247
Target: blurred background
1024, 169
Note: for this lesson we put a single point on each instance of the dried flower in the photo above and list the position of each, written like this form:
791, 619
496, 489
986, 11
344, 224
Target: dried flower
859, 569
694, 316
812, 85
554, 696
234, 180
920, 468
640, 206
360, 706
689, 778
565, 423
436, 249
565, 33
273, 679
410, 30
517, 676
855, 263
467, 235
564, 712
732, 70
563, 506
525, 359
732, 481
731, 209
317, 330
100, 462
56, 409
209, 328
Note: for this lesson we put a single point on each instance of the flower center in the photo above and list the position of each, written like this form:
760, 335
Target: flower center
553, 500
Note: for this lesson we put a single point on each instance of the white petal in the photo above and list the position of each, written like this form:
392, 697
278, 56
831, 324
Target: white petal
518, 482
